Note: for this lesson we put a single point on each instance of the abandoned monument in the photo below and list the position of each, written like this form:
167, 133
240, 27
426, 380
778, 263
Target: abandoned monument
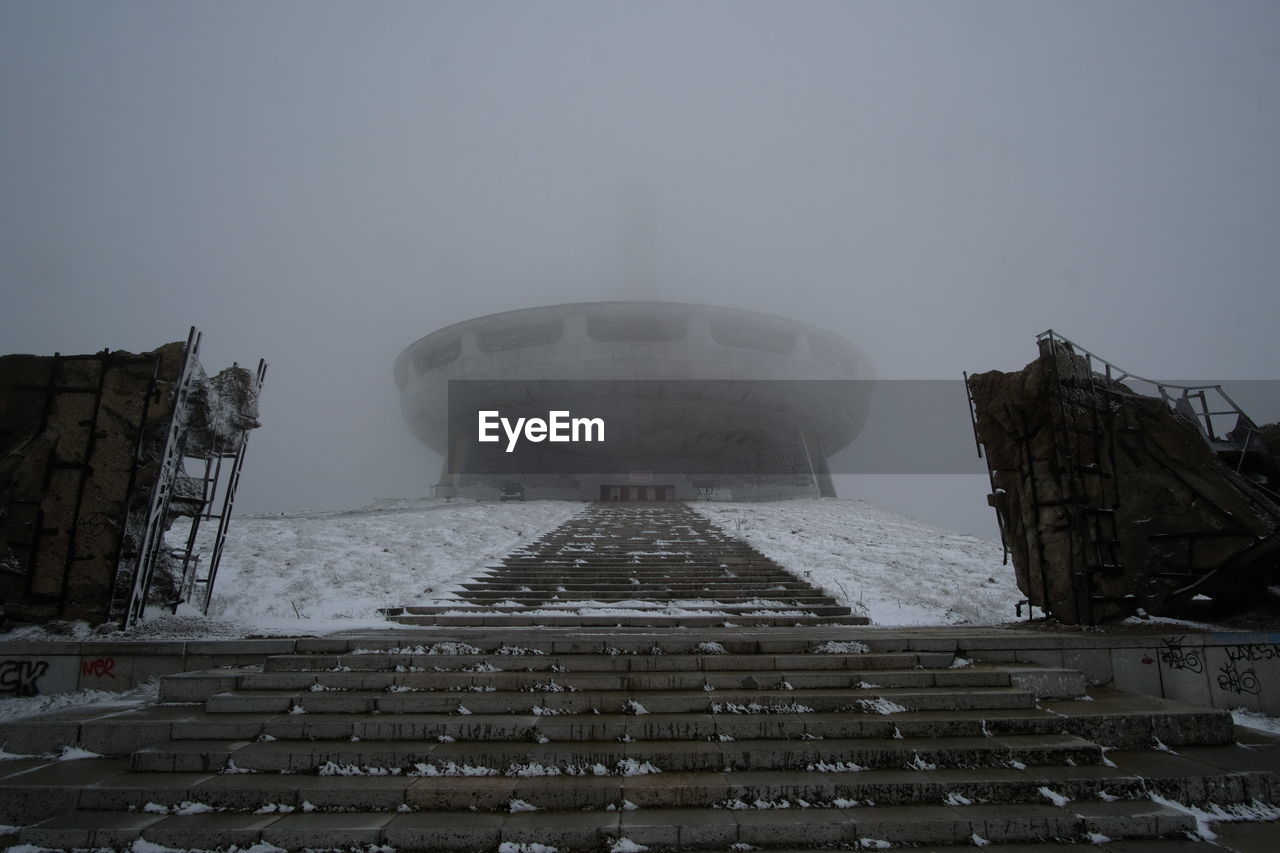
1111, 502
99, 455
667, 377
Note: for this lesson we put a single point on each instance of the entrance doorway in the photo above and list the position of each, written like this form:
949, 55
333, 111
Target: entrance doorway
636, 493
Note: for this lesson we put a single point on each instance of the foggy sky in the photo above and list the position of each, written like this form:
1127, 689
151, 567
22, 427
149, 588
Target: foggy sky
322, 183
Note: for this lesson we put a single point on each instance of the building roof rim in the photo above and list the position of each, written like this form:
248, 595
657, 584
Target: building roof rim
796, 324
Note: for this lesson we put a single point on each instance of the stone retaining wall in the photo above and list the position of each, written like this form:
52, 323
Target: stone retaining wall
1225, 670
39, 668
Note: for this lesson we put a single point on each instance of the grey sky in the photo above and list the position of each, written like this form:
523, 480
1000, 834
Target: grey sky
322, 183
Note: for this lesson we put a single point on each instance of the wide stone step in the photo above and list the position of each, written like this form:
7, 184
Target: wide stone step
1114, 720
834, 641
1196, 776
752, 788
603, 758
589, 578
640, 544
662, 598
624, 573
635, 549
621, 571
649, 541
517, 702
583, 571
647, 621
693, 680
646, 592
701, 592
597, 830
713, 560
641, 590
629, 727
630, 608
703, 597
580, 565
1120, 721
605, 662
1129, 730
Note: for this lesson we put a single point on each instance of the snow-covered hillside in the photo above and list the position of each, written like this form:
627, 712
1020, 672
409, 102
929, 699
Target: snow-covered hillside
338, 568
897, 570
345, 565
317, 572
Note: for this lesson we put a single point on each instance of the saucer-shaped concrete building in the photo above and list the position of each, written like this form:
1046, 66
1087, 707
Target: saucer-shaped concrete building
698, 401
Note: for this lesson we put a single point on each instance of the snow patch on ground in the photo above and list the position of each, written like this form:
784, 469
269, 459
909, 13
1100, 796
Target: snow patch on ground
316, 573
1053, 796
626, 845
1254, 720
17, 707
1210, 813
838, 647
895, 569
343, 566
880, 705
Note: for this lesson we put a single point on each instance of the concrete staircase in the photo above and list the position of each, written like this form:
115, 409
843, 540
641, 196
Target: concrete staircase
634, 564
671, 736
671, 739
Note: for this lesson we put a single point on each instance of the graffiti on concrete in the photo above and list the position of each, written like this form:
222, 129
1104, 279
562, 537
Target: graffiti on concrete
1253, 652
1235, 680
22, 677
99, 668
1174, 656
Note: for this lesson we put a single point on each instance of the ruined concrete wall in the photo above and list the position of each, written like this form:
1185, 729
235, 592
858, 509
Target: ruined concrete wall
1110, 503
69, 430
1271, 435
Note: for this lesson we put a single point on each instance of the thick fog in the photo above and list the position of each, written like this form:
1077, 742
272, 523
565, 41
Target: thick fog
322, 183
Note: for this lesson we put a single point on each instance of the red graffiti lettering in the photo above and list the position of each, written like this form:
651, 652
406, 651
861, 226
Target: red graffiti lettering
100, 667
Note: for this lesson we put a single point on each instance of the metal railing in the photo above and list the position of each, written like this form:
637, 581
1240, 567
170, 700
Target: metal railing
1196, 408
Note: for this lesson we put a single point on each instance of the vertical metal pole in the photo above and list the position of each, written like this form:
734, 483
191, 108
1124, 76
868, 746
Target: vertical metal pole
229, 499
991, 473
188, 572
171, 456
